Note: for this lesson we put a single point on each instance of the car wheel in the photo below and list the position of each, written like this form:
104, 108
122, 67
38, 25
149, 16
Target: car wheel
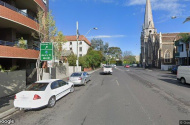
183, 81
72, 89
84, 82
52, 102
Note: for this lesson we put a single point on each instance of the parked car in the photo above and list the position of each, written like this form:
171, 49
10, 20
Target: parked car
42, 93
107, 70
127, 66
174, 69
79, 78
113, 65
183, 74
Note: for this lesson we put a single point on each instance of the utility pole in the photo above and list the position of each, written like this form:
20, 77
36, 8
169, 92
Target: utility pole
77, 33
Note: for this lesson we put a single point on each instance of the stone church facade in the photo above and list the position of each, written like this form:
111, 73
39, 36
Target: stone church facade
157, 49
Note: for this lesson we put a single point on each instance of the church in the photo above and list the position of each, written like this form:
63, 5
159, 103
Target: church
157, 49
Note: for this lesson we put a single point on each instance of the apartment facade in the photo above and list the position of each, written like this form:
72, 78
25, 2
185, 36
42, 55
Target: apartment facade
18, 21
181, 53
71, 44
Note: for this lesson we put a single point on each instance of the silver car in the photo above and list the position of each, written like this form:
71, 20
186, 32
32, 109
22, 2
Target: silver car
79, 78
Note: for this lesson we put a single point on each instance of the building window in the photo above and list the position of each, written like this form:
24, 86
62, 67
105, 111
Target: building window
80, 43
80, 55
80, 49
71, 49
167, 58
70, 43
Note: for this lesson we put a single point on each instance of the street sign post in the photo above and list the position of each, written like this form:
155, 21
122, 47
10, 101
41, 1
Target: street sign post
46, 51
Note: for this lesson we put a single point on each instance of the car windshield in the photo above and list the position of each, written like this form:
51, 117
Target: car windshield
76, 74
37, 87
107, 66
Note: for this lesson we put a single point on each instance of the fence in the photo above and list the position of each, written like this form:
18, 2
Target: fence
12, 82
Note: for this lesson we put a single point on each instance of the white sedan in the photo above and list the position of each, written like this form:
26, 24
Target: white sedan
42, 93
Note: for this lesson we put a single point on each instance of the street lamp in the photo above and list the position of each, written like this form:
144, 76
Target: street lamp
77, 32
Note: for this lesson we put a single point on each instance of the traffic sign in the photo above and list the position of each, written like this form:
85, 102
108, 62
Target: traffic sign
46, 51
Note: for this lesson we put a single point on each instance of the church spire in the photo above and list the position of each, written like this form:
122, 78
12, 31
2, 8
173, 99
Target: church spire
148, 19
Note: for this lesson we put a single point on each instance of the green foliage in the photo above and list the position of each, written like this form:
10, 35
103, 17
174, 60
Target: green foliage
72, 60
13, 68
93, 59
185, 37
59, 40
115, 51
22, 43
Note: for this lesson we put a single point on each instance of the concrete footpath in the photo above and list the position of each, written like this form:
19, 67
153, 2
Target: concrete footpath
6, 103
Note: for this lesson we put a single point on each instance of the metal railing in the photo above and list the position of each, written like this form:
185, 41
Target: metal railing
17, 10
11, 44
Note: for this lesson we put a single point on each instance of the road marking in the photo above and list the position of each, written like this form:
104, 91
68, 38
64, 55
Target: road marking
117, 82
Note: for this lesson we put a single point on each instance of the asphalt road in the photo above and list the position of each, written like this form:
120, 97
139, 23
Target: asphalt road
127, 97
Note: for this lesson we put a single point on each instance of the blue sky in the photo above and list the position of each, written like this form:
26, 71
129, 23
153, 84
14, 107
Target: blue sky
119, 22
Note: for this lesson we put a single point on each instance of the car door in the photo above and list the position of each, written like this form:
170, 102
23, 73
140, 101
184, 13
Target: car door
56, 89
65, 88
88, 75
84, 77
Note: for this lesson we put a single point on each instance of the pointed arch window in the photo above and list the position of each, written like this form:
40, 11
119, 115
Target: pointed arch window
167, 57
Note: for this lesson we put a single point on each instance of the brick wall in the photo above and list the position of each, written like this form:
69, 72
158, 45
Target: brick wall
6, 51
87, 69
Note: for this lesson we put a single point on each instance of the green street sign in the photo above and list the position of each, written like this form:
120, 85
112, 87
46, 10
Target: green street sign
46, 51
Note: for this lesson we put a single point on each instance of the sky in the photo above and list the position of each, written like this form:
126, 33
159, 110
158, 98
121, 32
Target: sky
119, 22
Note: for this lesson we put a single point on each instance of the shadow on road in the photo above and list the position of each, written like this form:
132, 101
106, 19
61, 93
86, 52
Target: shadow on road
102, 73
175, 82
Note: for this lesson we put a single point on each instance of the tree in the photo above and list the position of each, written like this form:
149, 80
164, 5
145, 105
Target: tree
45, 33
115, 52
128, 57
72, 60
185, 38
58, 42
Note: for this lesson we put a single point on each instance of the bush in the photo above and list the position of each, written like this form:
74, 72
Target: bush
13, 68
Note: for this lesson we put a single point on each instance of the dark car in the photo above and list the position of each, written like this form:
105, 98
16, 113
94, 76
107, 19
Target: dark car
174, 69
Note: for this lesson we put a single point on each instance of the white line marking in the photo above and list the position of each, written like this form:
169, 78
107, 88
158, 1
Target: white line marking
117, 82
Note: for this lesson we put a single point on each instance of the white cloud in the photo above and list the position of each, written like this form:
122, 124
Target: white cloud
174, 7
107, 36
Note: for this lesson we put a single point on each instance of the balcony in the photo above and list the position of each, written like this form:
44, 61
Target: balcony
16, 44
17, 10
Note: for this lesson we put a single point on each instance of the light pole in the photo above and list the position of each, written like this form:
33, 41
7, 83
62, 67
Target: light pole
77, 33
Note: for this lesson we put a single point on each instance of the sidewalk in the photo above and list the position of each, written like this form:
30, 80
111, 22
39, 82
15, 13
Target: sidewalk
6, 103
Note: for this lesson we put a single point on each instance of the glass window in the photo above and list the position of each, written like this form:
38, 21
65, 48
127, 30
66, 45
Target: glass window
80, 55
76, 74
80, 49
167, 57
62, 83
71, 49
70, 43
80, 43
54, 85
84, 74
37, 87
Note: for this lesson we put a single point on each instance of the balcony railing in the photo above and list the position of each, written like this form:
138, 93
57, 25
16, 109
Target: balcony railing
11, 44
17, 10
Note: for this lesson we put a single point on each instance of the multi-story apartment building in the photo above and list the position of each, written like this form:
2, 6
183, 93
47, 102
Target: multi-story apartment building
18, 19
71, 44
181, 53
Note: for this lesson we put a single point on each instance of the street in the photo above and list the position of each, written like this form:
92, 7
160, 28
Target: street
132, 96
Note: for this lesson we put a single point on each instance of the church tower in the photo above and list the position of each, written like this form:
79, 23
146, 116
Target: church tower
147, 29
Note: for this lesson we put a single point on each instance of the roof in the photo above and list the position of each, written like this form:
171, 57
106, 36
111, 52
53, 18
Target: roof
66, 52
81, 38
170, 37
14, 52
